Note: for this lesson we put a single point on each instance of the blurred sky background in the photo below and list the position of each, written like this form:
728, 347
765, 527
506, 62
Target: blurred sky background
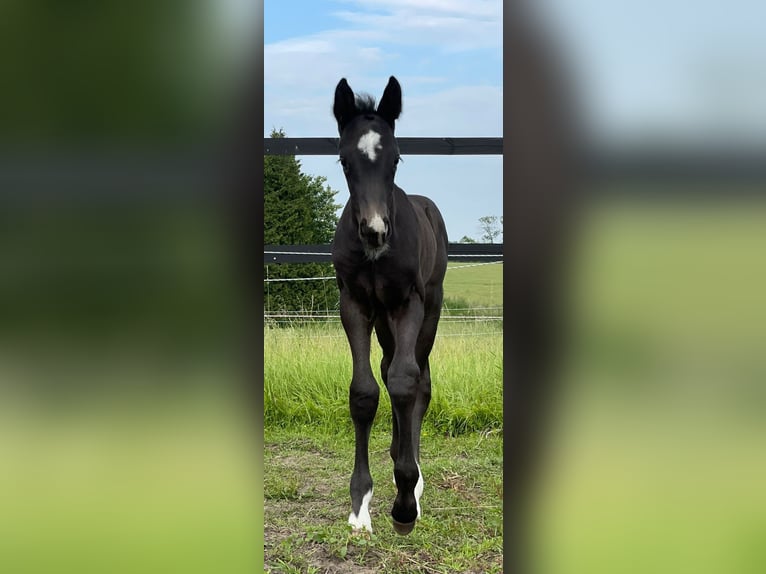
676, 73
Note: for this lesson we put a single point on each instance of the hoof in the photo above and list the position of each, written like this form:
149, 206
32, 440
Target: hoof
402, 528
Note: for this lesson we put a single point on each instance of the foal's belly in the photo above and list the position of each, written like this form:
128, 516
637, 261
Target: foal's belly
380, 290
391, 295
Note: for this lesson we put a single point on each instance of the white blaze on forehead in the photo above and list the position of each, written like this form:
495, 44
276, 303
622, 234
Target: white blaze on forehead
369, 143
363, 520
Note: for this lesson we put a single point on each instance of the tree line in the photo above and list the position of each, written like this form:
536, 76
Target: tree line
298, 209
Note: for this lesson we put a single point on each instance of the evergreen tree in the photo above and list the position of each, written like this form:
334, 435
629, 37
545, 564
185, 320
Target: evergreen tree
298, 209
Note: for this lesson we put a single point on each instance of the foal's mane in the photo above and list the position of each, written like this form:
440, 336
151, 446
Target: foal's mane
365, 104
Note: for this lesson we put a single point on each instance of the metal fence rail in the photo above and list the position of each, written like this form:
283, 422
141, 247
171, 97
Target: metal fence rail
407, 146
188, 172
647, 164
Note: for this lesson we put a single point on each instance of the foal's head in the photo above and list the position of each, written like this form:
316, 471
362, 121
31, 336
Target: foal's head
369, 155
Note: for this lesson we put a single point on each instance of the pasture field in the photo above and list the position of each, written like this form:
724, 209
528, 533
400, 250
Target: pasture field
309, 457
656, 462
480, 285
309, 448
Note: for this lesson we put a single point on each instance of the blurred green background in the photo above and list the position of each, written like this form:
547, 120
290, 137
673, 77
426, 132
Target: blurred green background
127, 436
657, 448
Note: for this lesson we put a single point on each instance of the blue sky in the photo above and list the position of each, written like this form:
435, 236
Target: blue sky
447, 56
689, 71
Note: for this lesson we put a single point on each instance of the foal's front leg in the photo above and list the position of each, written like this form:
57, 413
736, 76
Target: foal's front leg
363, 403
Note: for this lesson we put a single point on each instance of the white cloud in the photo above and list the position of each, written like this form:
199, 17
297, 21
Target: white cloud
449, 25
490, 9
463, 111
448, 32
300, 73
313, 62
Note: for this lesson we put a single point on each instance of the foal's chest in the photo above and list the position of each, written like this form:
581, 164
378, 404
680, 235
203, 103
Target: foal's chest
380, 286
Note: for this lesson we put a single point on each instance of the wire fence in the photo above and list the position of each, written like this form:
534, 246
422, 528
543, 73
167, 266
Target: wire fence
332, 277
461, 314
300, 334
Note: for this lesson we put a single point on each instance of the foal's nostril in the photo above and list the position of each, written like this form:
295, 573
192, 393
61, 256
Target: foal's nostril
372, 235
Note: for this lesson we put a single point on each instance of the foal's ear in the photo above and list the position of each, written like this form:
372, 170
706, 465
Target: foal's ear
345, 104
390, 105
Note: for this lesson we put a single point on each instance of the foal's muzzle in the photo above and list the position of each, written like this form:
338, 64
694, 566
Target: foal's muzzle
375, 233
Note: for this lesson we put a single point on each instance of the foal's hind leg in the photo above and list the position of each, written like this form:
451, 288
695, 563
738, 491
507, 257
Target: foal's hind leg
363, 403
388, 345
425, 343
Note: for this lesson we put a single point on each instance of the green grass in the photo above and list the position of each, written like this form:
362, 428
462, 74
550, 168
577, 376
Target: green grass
311, 386
309, 448
305, 520
478, 285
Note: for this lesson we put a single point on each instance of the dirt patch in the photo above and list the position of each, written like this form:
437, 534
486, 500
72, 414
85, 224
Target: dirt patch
307, 503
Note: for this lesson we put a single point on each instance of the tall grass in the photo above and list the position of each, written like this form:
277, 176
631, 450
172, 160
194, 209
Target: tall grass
307, 371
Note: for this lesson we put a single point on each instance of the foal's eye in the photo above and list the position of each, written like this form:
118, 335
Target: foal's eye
344, 163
